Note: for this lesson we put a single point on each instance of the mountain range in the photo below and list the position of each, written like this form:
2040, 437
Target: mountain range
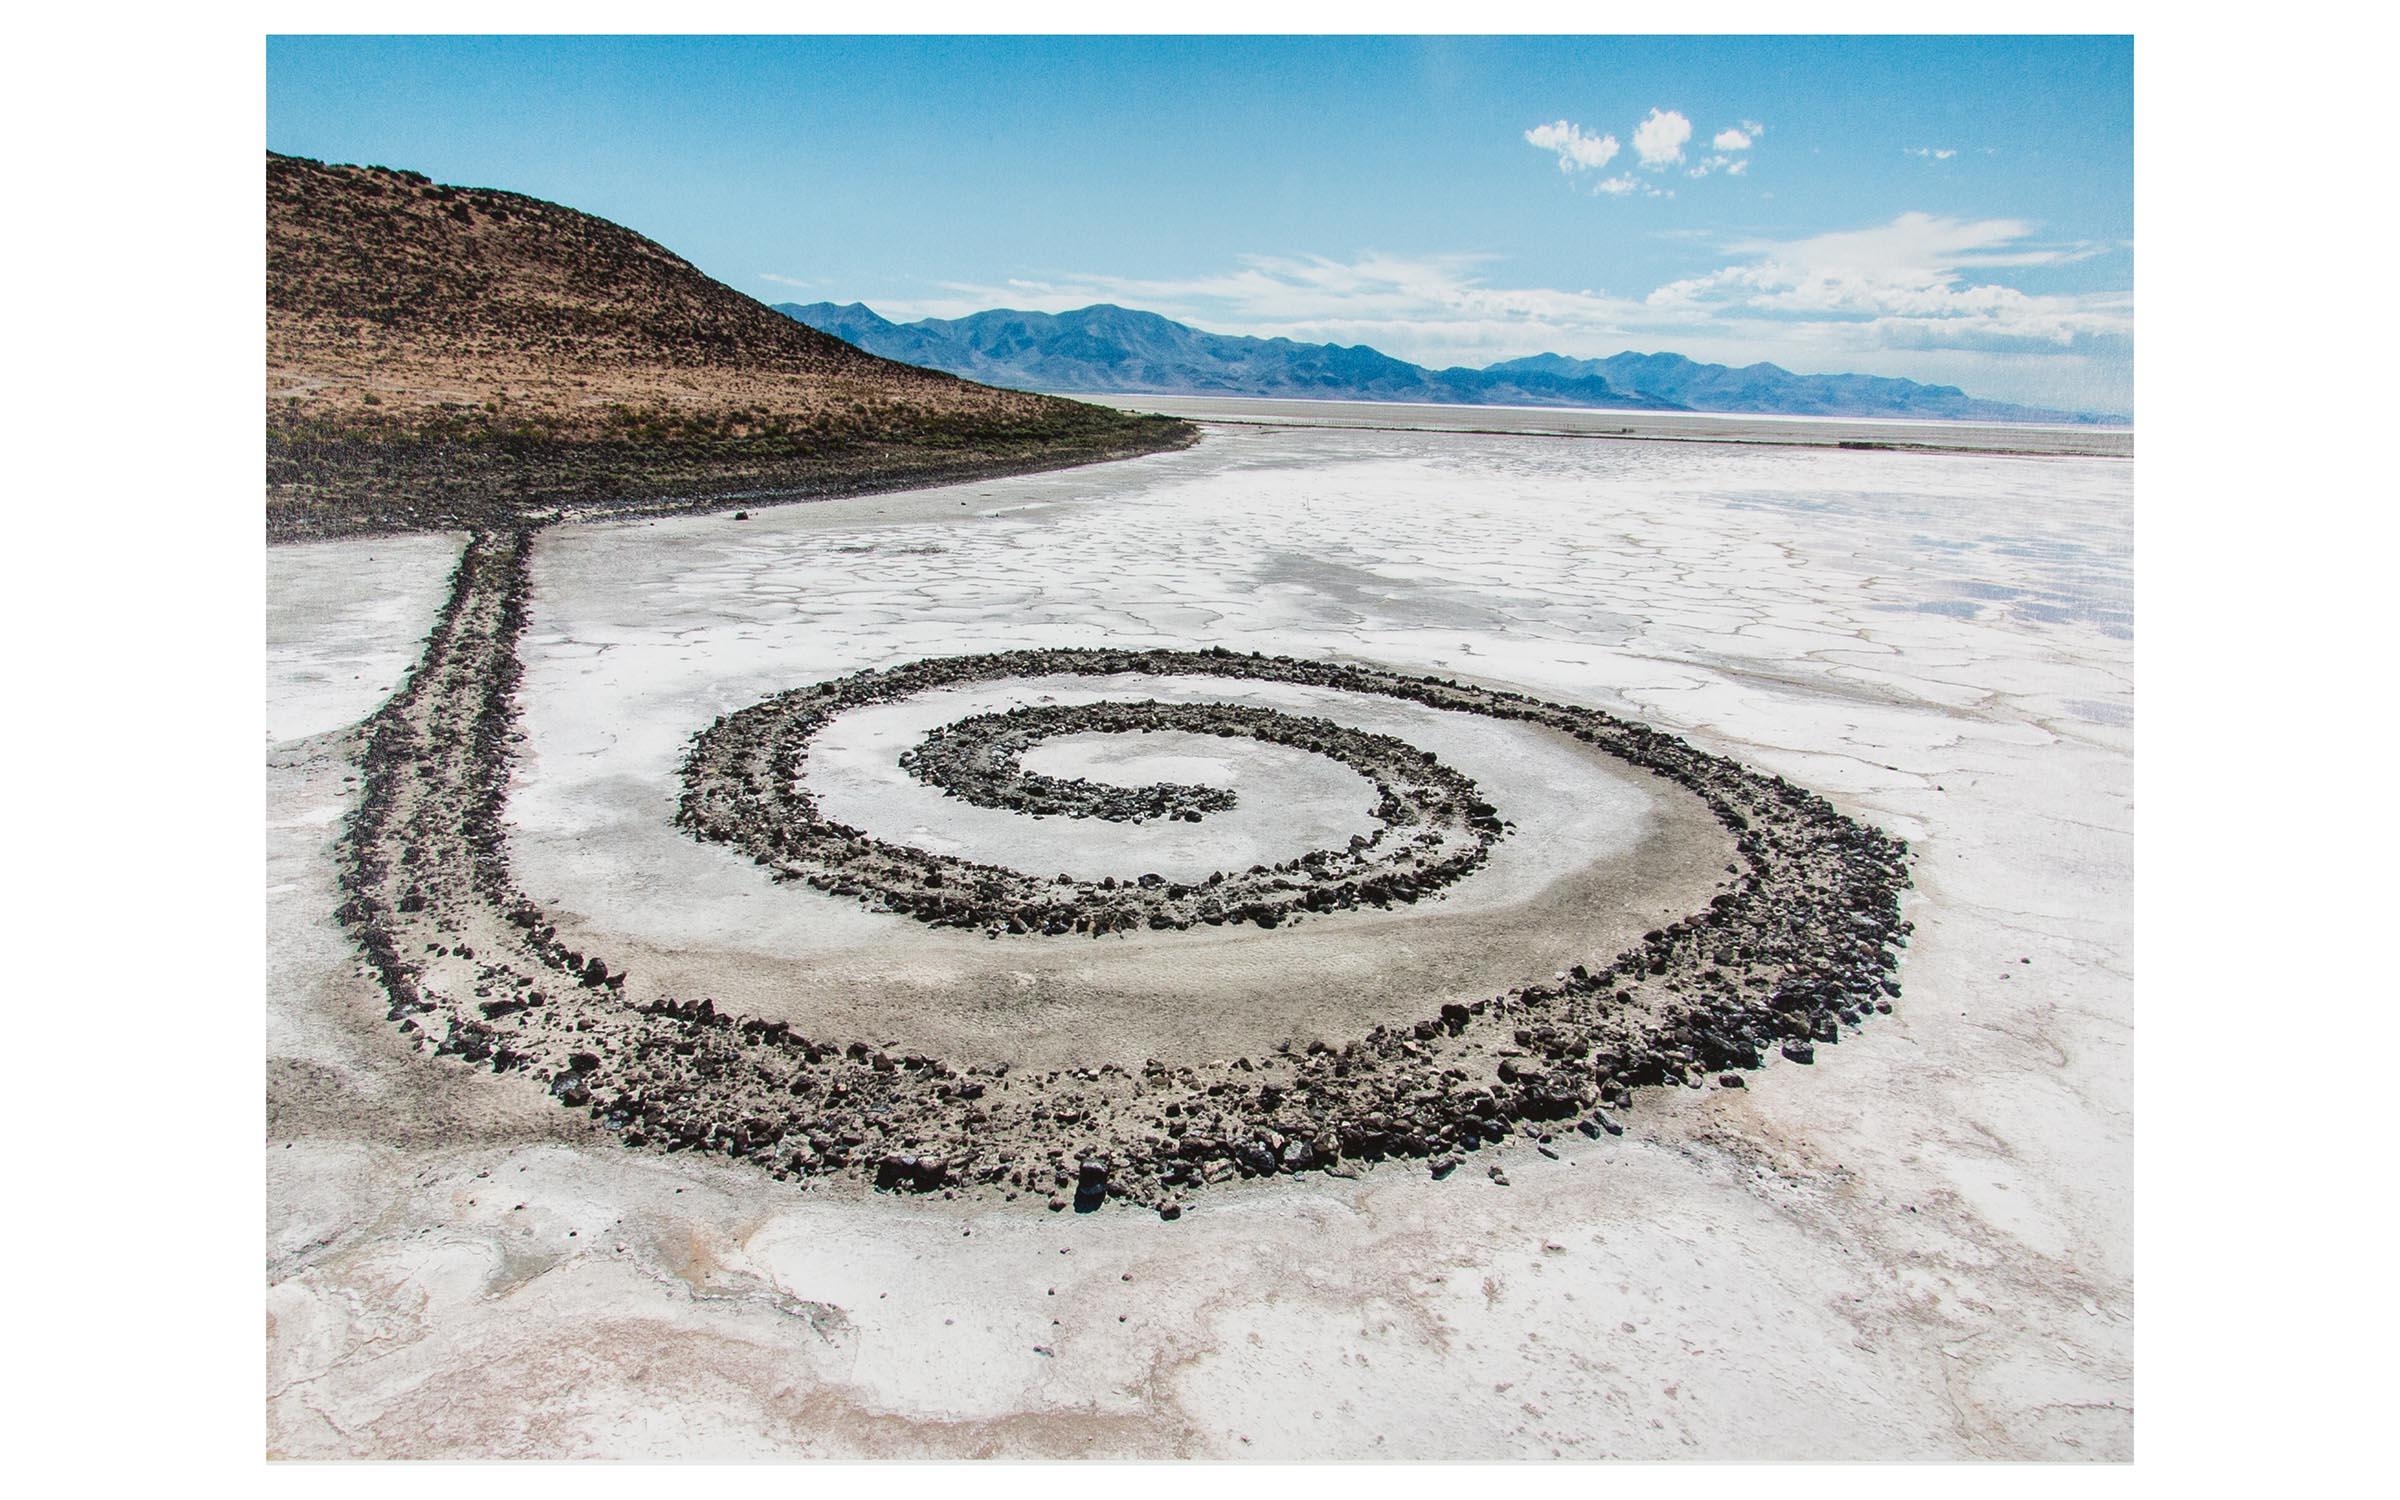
1105, 348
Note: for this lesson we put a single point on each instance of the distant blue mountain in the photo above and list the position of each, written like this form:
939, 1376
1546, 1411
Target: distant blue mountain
1771, 390
1116, 349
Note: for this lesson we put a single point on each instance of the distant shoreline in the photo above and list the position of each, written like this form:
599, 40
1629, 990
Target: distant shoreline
1901, 434
690, 491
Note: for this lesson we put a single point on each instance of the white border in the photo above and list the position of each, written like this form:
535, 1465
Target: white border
135, 578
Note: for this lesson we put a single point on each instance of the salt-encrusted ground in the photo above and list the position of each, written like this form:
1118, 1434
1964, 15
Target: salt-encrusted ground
1919, 1246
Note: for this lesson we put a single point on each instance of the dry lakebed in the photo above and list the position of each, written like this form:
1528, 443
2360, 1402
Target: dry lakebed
1335, 942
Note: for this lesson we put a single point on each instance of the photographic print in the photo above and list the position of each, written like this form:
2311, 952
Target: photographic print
1318, 748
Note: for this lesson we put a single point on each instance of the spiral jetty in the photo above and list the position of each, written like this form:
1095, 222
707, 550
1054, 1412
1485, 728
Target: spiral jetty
1804, 943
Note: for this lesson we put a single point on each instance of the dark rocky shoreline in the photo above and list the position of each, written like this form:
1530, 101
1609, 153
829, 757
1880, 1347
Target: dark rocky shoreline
360, 486
1803, 944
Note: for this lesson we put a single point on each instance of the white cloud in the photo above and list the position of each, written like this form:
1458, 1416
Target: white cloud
1577, 152
1905, 281
1659, 139
1909, 298
783, 280
1728, 142
1932, 153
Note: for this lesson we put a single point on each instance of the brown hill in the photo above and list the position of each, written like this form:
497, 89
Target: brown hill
442, 356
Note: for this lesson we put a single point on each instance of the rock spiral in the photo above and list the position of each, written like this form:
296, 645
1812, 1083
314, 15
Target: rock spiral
1802, 941
744, 788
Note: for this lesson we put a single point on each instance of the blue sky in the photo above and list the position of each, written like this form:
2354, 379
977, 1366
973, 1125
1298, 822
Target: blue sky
1950, 209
